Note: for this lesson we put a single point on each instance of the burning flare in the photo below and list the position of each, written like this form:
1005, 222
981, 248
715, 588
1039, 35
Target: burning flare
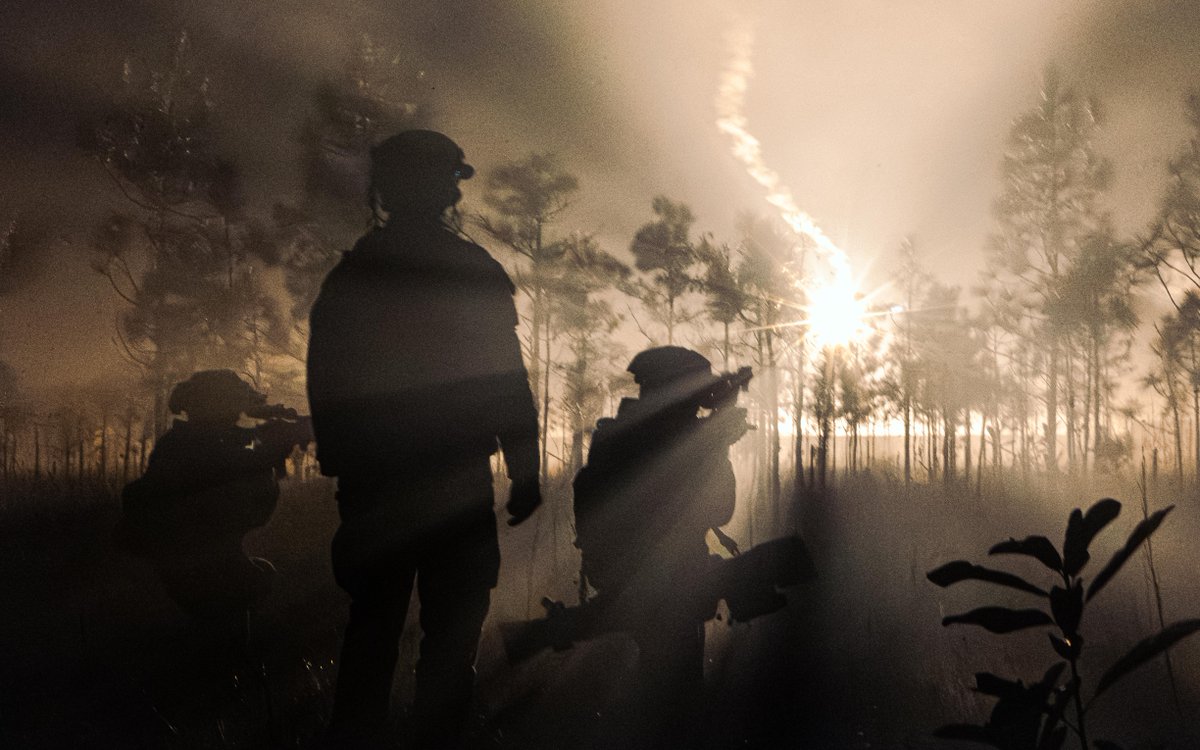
835, 310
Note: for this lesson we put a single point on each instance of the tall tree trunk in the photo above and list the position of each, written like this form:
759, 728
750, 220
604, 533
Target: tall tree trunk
1069, 390
931, 452
670, 318
128, 445
725, 346
907, 439
947, 446
546, 404
1178, 437
1050, 428
1089, 384
1196, 427
967, 449
983, 446
1024, 401
102, 471
773, 422
833, 448
797, 414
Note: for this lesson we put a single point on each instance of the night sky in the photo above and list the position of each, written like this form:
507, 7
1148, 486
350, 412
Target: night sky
885, 117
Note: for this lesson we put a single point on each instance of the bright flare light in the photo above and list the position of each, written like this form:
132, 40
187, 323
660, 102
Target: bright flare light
730, 102
836, 313
835, 310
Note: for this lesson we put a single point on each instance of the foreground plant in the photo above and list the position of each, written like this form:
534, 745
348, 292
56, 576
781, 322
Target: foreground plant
1039, 716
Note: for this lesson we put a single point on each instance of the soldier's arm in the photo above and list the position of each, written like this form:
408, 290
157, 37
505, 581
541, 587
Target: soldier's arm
518, 424
518, 438
721, 496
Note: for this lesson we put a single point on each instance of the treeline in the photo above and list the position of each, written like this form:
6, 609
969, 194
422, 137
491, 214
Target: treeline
1032, 369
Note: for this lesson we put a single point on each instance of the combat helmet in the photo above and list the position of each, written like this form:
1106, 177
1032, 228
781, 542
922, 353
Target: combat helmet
213, 393
672, 373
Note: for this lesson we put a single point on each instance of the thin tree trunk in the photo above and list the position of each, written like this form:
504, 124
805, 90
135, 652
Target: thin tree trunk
546, 405
128, 446
1196, 427
983, 444
797, 414
774, 446
1069, 388
103, 469
1178, 438
967, 449
907, 440
1089, 382
1050, 428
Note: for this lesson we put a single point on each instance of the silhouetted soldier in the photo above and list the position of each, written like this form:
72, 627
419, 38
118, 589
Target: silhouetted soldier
414, 375
658, 478
208, 482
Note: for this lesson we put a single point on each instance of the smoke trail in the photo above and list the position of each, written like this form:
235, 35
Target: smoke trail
730, 101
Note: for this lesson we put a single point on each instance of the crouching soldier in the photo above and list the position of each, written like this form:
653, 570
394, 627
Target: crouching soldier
657, 480
209, 482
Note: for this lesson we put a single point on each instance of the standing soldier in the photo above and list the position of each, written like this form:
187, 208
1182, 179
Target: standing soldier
415, 377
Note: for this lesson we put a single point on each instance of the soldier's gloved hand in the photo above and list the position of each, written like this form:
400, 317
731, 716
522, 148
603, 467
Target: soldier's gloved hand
525, 498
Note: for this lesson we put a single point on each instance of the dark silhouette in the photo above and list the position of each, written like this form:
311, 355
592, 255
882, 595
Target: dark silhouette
414, 374
208, 482
658, 478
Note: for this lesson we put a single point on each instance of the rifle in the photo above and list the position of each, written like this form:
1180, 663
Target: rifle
285, 427
749, 583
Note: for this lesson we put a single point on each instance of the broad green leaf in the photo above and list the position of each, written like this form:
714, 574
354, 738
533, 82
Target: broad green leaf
1144, 651
961, 570
1140, 534
1082, 529
1058, 706
1001, 619
1038, 547
1050, 678
1067, 607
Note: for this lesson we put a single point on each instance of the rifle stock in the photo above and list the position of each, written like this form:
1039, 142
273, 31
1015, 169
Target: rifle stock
749, 583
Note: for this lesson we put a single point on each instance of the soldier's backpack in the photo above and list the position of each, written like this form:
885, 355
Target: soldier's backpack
155, 520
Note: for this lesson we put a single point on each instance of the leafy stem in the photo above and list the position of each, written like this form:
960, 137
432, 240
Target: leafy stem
1033, 717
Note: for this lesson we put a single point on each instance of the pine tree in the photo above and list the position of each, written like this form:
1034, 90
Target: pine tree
1053, 179
664, 251
525, 198
182, 255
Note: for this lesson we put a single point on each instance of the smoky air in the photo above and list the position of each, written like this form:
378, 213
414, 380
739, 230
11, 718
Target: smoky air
670, 375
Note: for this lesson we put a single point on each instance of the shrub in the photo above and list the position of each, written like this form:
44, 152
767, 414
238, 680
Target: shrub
1035, 716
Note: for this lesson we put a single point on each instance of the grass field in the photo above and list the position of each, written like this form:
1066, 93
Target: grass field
93, 654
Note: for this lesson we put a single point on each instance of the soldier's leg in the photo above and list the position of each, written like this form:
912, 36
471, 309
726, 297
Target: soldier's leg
370, 649
454, 584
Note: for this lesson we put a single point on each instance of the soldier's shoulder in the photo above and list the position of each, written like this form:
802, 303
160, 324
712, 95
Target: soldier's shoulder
478, 256
476, 252
351, 268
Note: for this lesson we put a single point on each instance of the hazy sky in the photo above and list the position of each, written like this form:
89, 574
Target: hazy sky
885, 117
